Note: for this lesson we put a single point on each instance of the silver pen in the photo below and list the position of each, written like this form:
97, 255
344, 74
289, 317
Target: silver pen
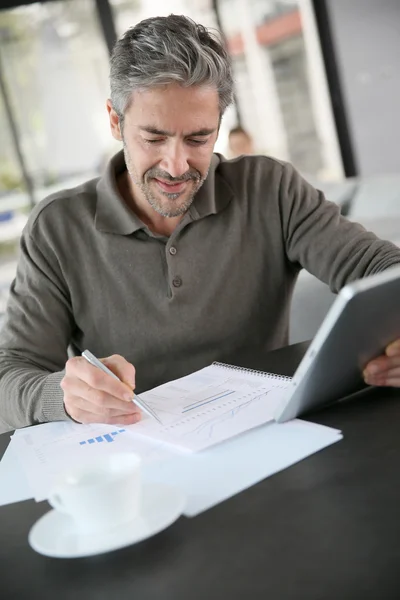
138, 401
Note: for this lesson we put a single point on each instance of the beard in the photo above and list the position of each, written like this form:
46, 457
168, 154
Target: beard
166, 204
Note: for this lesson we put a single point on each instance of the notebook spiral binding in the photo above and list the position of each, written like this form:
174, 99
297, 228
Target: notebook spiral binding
252, 371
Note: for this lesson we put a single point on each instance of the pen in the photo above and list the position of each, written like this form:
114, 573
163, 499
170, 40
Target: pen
138, 401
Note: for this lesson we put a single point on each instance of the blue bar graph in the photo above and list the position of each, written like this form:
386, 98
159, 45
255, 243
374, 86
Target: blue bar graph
107, 437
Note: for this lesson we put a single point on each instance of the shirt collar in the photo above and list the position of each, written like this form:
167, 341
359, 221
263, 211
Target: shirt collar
114, 216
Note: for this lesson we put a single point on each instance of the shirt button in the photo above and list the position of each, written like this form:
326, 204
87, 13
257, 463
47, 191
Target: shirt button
172, 250
177, 282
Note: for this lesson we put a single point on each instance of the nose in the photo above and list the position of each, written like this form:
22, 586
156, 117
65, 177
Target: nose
175, 160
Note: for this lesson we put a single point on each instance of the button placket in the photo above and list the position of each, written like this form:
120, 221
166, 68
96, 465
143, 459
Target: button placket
176, 279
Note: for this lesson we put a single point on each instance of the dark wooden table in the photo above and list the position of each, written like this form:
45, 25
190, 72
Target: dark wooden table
326, 528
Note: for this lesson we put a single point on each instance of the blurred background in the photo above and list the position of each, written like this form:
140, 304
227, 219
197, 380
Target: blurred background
316, 83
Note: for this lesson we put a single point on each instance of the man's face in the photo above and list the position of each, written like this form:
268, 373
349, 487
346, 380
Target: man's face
169, 134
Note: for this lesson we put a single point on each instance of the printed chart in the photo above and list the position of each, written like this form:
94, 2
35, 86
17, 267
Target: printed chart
106, 437
210, 406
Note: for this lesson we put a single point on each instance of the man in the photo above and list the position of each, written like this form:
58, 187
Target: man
176, 257
240, 142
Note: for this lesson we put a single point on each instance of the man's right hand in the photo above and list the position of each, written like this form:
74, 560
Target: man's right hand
92, 396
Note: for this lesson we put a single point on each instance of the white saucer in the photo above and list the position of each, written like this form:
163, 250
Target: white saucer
55, 535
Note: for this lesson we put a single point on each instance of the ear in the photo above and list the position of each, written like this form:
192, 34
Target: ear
114, 122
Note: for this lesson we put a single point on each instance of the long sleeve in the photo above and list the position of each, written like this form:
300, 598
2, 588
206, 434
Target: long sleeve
325, 243
34, 340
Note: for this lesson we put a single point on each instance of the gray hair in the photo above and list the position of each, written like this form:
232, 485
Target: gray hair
163, 50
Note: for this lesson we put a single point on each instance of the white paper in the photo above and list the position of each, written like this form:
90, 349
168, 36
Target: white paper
216, 474
210, 406
207, 478
47, 450
14, 485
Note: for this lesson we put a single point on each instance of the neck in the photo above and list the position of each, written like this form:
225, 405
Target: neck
136, 202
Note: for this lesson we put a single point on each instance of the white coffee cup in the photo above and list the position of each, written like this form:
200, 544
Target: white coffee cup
100, 495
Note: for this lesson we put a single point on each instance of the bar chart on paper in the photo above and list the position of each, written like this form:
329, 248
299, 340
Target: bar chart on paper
49, 449
106, 437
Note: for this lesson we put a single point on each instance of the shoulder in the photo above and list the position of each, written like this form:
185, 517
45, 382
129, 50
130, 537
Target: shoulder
259, 174
59, 207
248, 163
254, 168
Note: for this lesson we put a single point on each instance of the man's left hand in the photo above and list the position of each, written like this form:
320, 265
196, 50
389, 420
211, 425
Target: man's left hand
385, 370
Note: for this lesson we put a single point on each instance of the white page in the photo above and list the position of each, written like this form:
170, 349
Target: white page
14, 485
210, 406
216, 474
47, 450
207, 478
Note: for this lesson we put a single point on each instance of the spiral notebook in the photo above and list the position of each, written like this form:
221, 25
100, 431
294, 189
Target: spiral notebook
212, 405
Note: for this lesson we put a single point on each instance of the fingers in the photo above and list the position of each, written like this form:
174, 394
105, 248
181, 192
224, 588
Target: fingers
86, 417
98, 398
124, 370
79, 368
389, 378
81, 404
81, 410
92, 396
393, 349
384, 370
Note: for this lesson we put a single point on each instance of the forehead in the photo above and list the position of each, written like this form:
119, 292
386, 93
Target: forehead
174, 104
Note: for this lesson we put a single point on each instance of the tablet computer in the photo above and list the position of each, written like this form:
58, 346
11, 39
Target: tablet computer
362, 321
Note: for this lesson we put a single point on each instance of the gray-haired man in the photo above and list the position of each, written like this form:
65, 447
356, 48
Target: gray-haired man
174, 258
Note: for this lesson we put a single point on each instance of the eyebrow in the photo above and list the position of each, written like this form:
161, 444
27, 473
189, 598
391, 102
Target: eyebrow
155, 131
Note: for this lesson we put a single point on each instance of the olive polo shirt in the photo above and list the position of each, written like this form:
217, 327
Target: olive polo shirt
92, 275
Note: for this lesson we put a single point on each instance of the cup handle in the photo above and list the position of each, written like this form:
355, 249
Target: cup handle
55, 500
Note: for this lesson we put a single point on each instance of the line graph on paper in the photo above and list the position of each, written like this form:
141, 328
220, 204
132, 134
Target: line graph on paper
207, 429
197, 413
251, 411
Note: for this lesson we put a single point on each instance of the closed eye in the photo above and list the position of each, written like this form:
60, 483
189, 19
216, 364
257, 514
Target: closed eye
192, 141
197, 142
158, 141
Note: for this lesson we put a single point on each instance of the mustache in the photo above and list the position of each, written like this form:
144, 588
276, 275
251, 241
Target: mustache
155, 173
